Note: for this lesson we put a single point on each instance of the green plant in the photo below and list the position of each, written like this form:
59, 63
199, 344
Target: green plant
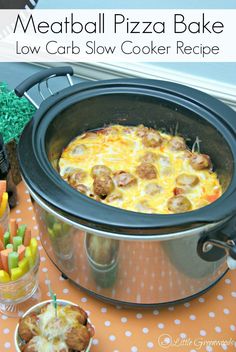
14, 113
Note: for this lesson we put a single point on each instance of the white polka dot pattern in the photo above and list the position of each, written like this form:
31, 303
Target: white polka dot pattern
192, 317
207, 318
212, 315
150, 344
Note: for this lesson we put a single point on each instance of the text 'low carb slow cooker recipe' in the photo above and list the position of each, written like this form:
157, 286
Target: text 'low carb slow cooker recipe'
139, 169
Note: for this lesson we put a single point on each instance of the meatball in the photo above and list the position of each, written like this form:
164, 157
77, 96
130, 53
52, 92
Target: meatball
128, 130
28, 326
76, 178
44, 308
31, 346
75, 313
82, 188
78, 150
186, 154
90, 135
91, 329
146, 171
148, 157
116, 195
142, 131
111, 130
152, 139
187, 180
124, 179
103, 185
68, 171
152, 189
179, 204
77, 338
200, 161
99, 170
177, 143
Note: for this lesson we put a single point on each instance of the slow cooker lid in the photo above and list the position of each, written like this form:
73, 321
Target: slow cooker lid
46, 182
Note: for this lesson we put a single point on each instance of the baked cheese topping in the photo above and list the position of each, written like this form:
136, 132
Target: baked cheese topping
41, 344
56, 332
145, 170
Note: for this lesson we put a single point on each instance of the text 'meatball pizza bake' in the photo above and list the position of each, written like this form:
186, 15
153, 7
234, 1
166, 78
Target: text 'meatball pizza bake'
139, 169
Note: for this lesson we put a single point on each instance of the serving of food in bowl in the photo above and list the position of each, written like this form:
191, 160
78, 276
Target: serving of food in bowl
103, 157
42, 329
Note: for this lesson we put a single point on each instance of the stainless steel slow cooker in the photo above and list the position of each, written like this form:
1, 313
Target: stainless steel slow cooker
119, 255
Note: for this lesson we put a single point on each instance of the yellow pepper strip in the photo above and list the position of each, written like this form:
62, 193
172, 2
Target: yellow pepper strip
4, 203
16, 273
4, 276
24, 265
34, 247
28, 255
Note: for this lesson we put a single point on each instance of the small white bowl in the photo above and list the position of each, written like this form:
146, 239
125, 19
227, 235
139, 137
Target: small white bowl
36, 308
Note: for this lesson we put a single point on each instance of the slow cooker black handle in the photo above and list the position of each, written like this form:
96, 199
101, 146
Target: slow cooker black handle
216, 245
40, 76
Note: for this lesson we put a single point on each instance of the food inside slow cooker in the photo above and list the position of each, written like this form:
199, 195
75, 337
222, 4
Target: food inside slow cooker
42, 331
139, 169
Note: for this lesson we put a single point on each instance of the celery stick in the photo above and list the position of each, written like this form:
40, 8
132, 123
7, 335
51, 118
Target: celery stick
21, 231
6, 238
13, 259
17, 241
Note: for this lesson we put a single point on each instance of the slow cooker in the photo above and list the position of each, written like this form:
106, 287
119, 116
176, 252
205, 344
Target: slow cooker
145, 259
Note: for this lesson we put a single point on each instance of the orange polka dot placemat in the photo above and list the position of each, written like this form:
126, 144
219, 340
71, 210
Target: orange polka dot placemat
207, 323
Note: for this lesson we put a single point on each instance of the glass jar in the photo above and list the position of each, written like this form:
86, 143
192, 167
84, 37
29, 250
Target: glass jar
17, 296
6, 174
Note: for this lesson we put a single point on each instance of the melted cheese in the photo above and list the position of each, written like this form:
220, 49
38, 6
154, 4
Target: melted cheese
120, 148
52, 331
41, 344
